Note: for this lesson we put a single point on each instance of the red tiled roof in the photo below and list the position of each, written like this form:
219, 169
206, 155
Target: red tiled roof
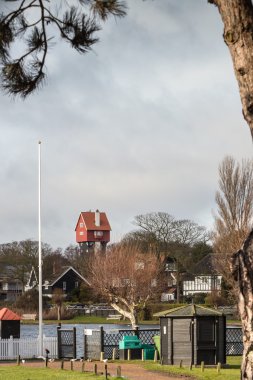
8, 315
89, 221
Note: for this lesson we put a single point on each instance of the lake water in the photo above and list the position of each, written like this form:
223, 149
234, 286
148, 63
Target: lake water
32, 331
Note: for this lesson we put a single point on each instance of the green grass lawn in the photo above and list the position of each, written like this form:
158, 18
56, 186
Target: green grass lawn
25, 373
231, 373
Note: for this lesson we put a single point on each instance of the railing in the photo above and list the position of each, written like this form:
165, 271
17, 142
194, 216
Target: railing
97, 341
27, 348
234, 342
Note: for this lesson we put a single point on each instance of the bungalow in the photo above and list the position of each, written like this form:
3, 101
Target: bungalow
67, 280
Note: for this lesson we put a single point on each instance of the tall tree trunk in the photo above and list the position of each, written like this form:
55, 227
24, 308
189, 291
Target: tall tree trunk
242, 269
237, 17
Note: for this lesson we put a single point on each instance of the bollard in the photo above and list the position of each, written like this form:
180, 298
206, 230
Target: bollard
18, 360
106, 373
46, 361
128, 354
83, 366
155, 356
181, 364
71, 365
113, 353
95, 369
202, 366
62, 364
119, 371
190, 367
218, 367
142, 355
101, 356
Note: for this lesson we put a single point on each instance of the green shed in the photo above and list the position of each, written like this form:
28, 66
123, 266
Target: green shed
192, 334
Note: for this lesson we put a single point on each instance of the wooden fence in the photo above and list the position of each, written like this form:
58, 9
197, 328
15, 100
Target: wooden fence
27, 348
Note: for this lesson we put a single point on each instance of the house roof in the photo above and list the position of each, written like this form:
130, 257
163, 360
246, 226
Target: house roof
88, 218
8, 315
205, 266
58, 276
188, 311
32, 277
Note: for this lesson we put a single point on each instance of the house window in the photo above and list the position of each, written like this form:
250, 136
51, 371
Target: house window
76, 284
98, 234
81, 225
81, 233
64, 285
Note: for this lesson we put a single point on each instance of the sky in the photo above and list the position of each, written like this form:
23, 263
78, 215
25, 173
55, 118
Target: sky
138, 125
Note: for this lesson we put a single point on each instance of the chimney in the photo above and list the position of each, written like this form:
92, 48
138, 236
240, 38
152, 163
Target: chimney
97, 218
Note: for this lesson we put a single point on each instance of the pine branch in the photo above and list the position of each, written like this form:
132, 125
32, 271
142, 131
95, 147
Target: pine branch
23, 75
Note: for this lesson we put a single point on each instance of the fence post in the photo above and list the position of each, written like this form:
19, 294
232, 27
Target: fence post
119, 371
62, 364
84, 346
202, 366
83, 366
218, 367
74, 342
113, 353
101, 339
95, 369
10, 347
106, 374
136, 331
18, 360
59, 342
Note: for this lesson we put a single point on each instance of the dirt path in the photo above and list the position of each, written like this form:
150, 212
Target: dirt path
131, 371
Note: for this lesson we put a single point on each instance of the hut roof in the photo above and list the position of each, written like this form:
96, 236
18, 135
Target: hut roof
188, 311
8, 315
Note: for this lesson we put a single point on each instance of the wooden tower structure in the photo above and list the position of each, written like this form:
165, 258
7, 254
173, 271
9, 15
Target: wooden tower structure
92, 231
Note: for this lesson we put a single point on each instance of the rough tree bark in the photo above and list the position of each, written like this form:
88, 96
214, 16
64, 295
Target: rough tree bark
237, 17
242, 269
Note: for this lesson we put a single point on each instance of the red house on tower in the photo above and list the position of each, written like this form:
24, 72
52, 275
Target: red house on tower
92, 230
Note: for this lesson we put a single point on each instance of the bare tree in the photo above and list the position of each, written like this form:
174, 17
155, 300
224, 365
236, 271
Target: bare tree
35, 22
232, 225
126, 278
58, 298
164, 232
233, 221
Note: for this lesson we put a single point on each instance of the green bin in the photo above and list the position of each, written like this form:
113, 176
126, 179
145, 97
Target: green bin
157, 341
148, 351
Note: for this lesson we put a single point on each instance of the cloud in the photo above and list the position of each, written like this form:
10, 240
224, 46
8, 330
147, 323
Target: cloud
138, 125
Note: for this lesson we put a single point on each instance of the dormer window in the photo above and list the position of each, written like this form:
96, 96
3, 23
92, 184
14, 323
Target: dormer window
81, 225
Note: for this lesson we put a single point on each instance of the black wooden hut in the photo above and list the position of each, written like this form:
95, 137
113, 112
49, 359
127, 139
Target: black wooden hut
9, 324
192, 334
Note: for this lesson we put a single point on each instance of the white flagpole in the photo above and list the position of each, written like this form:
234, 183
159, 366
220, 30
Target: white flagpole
40, 262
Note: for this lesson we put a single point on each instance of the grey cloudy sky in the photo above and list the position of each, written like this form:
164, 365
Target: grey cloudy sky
138, 125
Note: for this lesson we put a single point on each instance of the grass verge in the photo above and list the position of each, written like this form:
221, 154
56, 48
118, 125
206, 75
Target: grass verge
230, 373
25, 373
